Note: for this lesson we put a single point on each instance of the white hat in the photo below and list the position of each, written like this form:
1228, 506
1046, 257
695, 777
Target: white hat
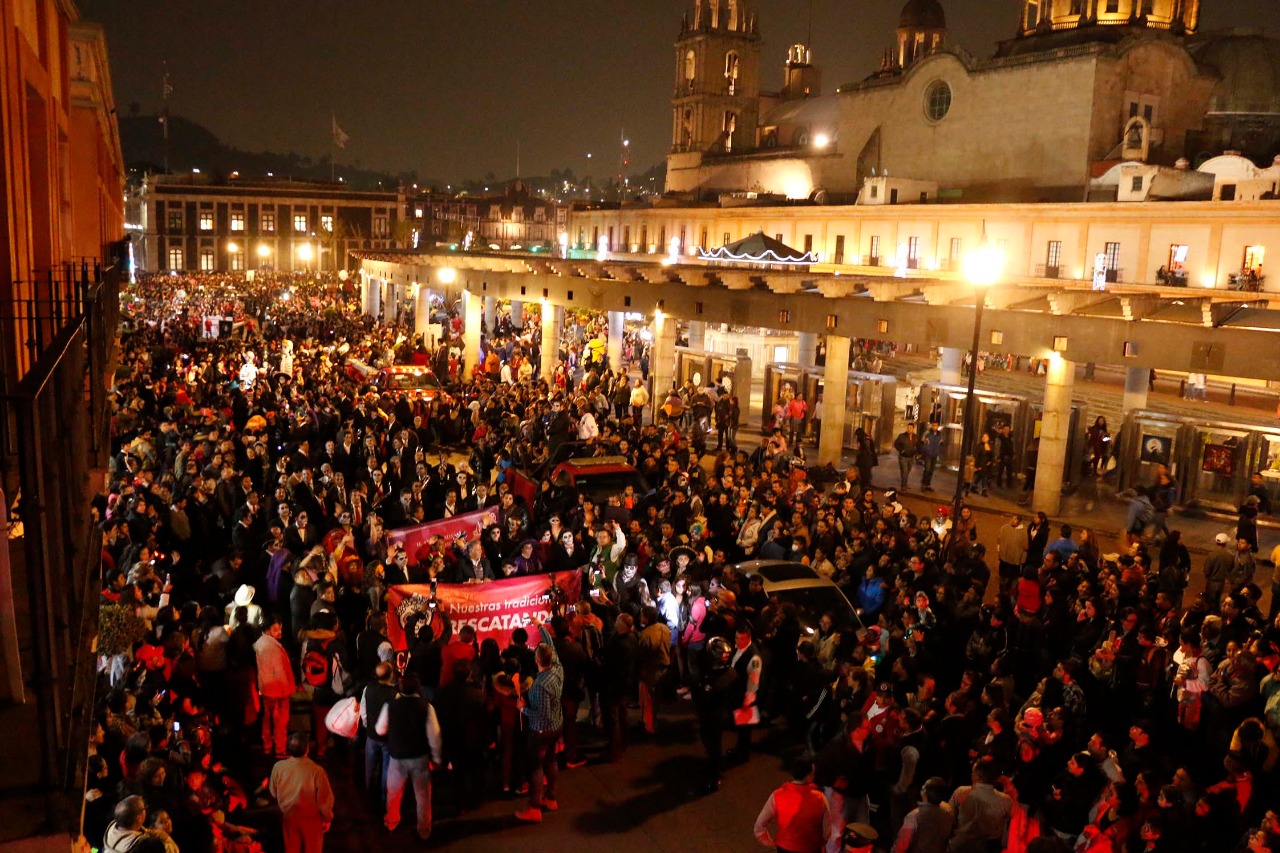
1222, 539
244, 595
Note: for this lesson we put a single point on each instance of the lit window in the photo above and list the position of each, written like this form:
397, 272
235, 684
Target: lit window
954, 254
268, 221
299, 222
326, 223
175, 220
937, 101
175, 259
206, 260
206, 220
237, 261
237, 222
380, 226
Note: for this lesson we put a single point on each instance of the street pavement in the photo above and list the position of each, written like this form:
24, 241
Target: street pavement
646, 803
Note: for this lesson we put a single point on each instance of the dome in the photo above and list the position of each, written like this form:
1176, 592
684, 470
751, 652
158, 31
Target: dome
922, 15
1249, 64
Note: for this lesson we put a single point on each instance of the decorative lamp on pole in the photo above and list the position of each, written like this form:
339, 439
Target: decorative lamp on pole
982, 269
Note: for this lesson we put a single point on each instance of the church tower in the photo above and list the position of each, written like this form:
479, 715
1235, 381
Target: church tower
716, 107
922, 29
800, 77
1040, 17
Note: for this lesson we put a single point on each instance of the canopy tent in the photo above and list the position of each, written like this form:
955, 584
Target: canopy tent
758, 249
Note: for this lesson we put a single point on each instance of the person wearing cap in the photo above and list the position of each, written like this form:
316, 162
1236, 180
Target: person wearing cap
712, 698
748, 664
799, 809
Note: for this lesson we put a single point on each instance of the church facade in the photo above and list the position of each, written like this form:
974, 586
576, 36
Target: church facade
1081, 83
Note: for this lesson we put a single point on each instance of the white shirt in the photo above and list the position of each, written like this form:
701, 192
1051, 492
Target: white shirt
248, 375
587, 427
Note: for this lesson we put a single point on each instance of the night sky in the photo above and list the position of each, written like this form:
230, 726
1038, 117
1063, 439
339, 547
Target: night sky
447, 87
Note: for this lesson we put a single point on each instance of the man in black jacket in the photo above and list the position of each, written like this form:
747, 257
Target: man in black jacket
615, 691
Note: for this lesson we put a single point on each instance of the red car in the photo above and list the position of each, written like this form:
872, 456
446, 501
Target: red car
596, 477
416, 381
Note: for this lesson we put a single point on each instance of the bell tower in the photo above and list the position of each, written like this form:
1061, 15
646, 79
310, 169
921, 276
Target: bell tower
716, 106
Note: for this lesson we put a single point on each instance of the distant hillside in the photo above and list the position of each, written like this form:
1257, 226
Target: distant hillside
193, 146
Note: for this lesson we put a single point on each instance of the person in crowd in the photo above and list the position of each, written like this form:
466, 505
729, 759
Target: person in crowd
544, 717
414, 746
250, 529
301, 788
800, 812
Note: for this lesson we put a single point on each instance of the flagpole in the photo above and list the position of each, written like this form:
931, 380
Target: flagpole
333, 142
164, 90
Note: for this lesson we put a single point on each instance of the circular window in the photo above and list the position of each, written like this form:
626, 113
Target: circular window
937, 101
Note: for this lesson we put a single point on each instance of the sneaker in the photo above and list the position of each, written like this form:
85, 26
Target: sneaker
574, 765
530, 815
550, 805
523, 789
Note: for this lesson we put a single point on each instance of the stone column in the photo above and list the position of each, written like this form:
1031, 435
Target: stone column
517, 314
471, 333
808, 351
490, 314
662, 360
835, 390
1055, 436
1136, 381
698, 334
393, 301
952, 366
550, 340
422, 312
615, 339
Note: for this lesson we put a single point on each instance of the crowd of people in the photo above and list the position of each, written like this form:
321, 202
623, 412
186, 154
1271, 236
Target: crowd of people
1074, 699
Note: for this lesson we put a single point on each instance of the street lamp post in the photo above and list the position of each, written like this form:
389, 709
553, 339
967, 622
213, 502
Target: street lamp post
982, 270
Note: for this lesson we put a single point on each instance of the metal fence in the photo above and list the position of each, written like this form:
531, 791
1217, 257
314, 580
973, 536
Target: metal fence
53, 433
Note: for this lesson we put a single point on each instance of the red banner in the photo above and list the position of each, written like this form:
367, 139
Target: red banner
494, 609
415, 538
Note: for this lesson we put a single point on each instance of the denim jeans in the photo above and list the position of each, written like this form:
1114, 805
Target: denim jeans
399, 772
904, 469
376, 761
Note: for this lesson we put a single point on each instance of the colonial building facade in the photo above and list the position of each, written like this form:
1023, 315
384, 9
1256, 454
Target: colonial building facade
516, 218
191, 223
1123, 79
1201, 244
